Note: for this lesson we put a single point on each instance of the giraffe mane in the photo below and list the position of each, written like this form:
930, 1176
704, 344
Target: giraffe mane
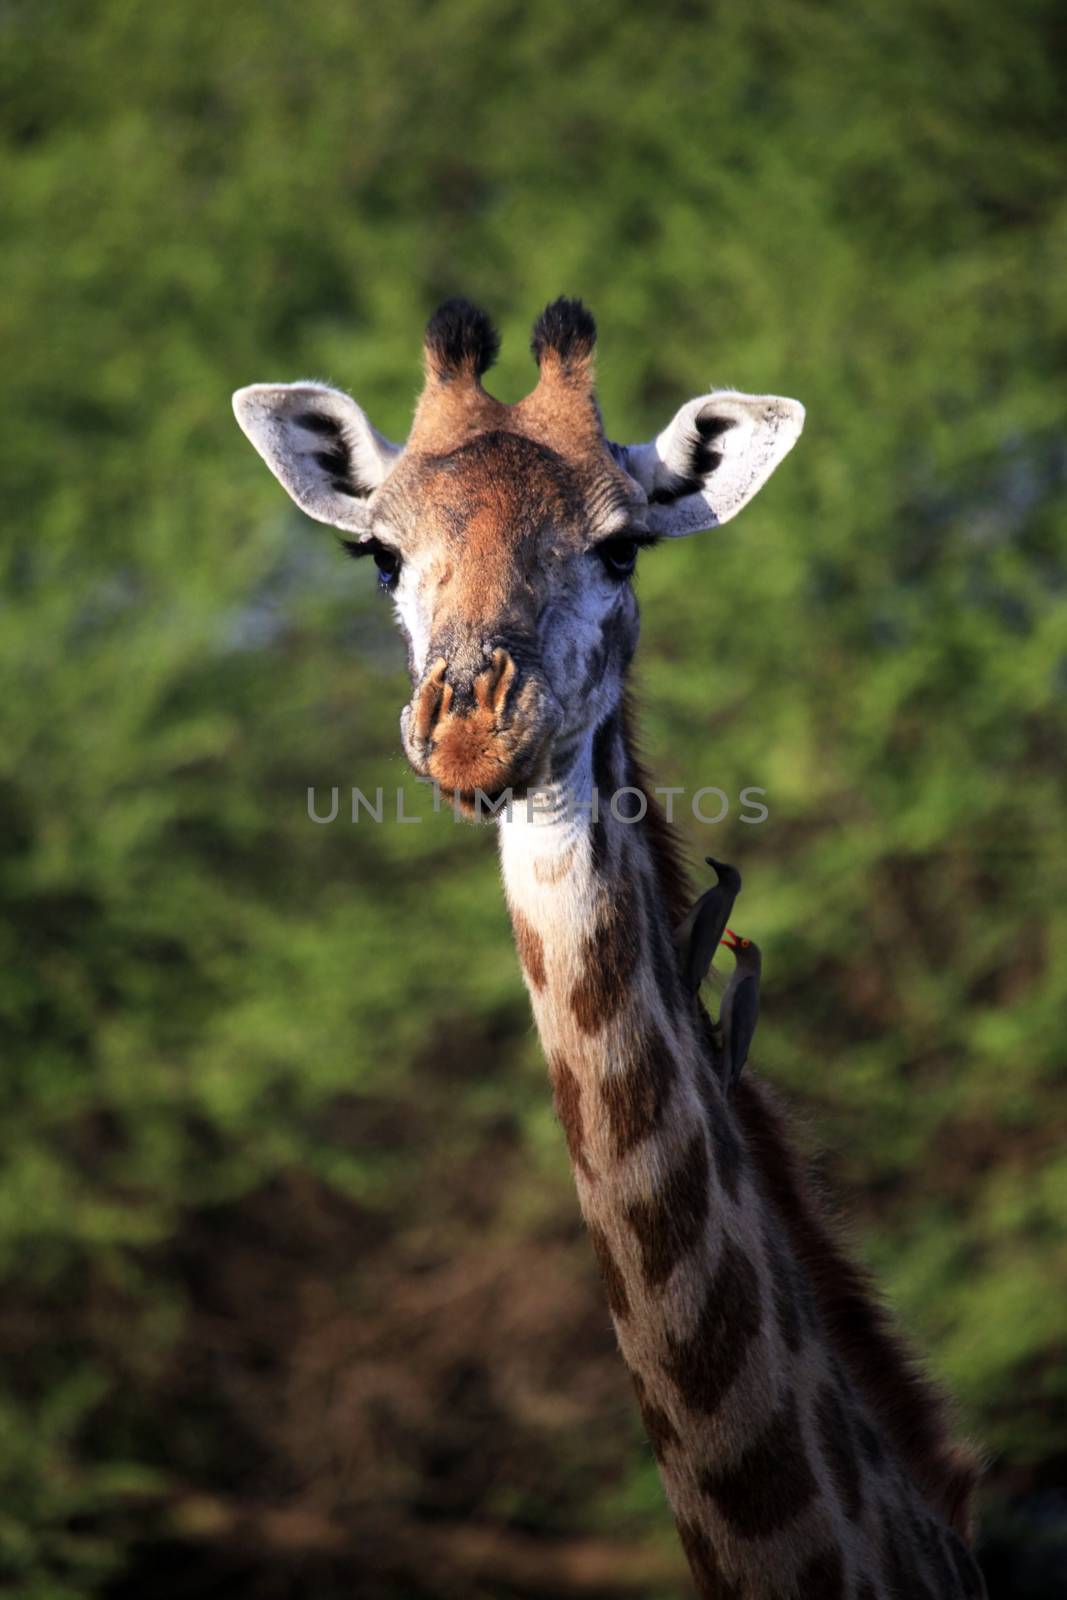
665, 845
911, 1407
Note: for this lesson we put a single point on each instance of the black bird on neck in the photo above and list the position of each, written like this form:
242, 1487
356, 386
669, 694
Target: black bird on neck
699, 935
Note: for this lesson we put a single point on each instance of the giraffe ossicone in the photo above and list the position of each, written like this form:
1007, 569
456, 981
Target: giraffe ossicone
802, 1450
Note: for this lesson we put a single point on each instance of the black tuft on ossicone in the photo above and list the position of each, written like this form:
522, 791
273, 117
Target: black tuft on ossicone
460, 336
565, 327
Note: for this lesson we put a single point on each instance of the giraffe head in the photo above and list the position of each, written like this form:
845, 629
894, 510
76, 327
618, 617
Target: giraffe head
507, 535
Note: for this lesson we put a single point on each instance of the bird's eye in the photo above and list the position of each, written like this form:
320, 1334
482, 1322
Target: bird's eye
619, 556
745, 943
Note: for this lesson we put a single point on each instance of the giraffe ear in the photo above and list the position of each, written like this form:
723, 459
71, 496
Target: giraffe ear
319, 444
712, 457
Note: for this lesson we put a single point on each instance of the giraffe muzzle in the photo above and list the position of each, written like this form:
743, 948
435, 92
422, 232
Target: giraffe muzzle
490, 732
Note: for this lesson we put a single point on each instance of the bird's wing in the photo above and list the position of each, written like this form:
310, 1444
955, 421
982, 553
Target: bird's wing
744, 1014
713, 911
697, 937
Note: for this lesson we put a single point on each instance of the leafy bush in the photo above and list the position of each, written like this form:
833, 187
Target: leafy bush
289, 1255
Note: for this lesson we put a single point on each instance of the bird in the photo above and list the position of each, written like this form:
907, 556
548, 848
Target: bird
699, 935
739, 1011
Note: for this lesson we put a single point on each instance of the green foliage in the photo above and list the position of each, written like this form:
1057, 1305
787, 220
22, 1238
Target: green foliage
218, 1017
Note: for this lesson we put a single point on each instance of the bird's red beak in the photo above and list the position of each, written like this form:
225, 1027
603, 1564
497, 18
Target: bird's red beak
731, 941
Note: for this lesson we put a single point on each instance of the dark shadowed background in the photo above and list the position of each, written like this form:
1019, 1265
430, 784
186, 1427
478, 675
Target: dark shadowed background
295, 1303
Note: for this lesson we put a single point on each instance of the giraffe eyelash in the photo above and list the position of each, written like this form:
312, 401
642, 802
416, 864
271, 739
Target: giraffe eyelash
643, 539
618, 554
386, 559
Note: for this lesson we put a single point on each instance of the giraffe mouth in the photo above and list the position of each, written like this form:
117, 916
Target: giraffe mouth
487, 746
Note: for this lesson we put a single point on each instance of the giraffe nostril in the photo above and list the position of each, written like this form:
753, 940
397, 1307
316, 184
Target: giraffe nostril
429, 701
492, 686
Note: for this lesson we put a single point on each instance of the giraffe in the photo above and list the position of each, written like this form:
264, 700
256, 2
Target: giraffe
802, 1450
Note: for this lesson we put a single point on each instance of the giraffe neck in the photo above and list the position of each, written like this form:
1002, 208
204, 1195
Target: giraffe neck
776, 1470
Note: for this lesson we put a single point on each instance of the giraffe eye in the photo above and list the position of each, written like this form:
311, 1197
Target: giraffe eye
619, 556
387, 561
388, 564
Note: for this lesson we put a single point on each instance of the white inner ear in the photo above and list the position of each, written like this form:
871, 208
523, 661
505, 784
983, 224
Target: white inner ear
712, 457
319, 444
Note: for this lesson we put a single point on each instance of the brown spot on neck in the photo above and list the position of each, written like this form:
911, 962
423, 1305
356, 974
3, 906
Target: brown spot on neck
661, 1431
614, 1282
790, 1294
705, 1365
669, 1225
568, 1101
610, 958
531, 948
770, 1483
634, 1100
553, 869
